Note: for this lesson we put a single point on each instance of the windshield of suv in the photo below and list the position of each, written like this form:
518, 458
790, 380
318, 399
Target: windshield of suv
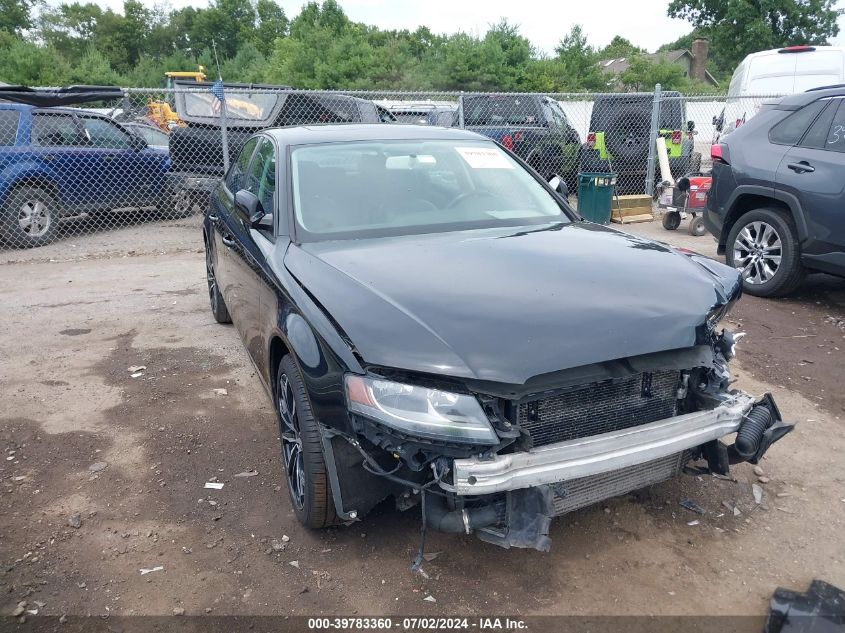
501, 110
371, 189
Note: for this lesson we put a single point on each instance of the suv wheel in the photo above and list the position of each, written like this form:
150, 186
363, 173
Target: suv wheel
763, 246
30, 218
302, 450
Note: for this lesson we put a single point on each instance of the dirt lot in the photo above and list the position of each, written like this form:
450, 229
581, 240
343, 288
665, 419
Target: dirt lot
129, 456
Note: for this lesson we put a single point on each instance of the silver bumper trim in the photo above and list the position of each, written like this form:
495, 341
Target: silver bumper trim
599, 453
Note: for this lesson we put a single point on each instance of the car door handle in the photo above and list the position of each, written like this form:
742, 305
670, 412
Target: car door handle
800, 168
228, 241
212, 217
49, 157
108, 157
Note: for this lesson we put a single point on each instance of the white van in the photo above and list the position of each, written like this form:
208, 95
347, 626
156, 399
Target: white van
777, 73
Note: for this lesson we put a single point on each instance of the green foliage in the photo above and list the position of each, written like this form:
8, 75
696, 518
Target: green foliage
83, 41
739, 27
28, 64
577, 63
15, 15
620, 47
643, 73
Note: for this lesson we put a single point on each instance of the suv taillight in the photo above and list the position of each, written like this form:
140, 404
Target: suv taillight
507, 141
676, 137
591, 140
717, 153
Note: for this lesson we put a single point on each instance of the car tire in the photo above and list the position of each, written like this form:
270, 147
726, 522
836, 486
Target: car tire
31, 217
218, 306
182, 204
671, 220
303, 461
696, 226
755, 242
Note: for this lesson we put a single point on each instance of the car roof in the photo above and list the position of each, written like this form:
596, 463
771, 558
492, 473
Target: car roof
338, 133
797, 101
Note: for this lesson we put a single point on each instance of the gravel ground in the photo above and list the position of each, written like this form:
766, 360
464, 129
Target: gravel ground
103, 473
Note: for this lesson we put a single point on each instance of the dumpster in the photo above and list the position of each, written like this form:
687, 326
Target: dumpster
595, 196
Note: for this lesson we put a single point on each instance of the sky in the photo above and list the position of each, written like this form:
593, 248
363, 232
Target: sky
544, 23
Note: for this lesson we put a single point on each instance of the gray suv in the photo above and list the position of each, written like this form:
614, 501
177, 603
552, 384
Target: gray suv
777, 203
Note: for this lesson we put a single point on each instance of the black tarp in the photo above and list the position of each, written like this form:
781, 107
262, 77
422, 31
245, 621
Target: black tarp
47, 97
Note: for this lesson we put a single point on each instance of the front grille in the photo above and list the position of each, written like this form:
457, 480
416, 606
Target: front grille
578, 493
601, 407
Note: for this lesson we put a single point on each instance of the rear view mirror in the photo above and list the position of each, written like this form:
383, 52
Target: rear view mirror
559, 184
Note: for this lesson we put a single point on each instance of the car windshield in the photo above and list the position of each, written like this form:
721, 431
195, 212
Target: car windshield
372, 189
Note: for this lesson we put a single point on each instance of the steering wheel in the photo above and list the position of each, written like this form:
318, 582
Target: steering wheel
465, 196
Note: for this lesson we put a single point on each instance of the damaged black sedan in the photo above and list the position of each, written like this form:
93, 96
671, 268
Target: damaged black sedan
436, 325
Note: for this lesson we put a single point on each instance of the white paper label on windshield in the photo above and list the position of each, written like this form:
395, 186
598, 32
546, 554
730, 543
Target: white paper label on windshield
484, 158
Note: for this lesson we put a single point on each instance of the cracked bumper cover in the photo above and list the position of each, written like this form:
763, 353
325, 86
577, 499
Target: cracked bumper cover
599, 453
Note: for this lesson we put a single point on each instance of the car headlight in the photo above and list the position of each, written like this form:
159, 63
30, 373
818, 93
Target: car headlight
420, 411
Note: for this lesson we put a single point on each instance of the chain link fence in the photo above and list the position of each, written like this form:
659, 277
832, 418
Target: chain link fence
155, 155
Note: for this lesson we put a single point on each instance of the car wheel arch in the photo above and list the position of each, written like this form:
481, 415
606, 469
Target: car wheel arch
34, 180
747, 199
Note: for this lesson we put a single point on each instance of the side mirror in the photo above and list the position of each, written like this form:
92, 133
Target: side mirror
249, 204
138, 143
559, 184
690, 125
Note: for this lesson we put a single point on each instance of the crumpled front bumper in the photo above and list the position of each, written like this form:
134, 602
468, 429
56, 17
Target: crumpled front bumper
598, 454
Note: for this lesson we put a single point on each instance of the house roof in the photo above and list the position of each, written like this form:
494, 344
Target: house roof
619, 65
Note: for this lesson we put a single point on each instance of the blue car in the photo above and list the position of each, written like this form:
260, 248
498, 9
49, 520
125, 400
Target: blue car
59, 162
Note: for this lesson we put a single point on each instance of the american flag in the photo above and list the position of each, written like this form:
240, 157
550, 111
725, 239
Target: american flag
217, 89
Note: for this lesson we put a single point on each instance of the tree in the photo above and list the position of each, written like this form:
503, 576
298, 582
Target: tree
643, 73
739, 27
29, 64
272, 24
578, 63
620, 47
15, 15
71, 28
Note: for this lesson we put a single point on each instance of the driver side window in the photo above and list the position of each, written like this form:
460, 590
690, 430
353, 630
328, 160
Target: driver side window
235, 179
261, 179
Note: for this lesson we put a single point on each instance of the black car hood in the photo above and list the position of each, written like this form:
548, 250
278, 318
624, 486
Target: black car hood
506, 305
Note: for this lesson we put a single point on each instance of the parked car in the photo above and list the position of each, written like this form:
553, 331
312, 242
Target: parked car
777, 202
58, 162
778, 72
619, 138
153, 136
534, 127
431, 324
197, 148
